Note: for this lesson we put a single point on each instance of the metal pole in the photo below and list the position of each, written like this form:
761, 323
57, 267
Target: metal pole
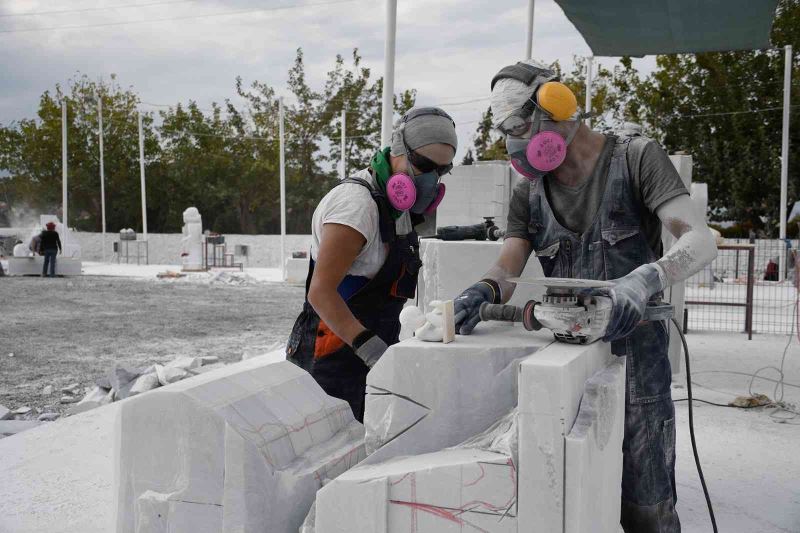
283, 186
344, 146
141, 174
588, 107
787, 87
388, 73
529, 41
102, 172
64, 206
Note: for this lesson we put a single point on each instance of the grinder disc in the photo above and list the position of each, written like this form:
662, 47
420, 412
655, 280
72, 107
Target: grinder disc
563, 283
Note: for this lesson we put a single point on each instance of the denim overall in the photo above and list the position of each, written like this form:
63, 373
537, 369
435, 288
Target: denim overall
375, 302
613, 246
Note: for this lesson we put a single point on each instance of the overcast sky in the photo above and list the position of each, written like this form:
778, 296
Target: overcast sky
447, 49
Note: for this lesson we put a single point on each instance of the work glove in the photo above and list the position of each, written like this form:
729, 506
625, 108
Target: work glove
630, 295
369, 347
467, 305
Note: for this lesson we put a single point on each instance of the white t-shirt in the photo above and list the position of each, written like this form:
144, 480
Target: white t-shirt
351, 204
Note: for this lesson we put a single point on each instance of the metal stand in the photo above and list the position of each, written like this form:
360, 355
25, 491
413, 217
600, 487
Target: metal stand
122, 249
215, 254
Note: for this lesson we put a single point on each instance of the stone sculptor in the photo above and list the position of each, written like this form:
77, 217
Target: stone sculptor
365, 256
592, 207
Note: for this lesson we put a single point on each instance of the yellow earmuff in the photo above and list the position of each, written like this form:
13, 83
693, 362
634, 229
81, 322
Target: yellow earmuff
557, 99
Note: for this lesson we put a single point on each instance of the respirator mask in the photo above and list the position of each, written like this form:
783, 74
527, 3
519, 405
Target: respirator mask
551, 102
420, 194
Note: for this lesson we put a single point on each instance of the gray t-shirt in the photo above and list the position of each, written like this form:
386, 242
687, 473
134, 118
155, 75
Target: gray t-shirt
575, 207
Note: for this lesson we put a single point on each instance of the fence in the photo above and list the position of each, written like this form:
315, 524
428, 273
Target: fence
722, 290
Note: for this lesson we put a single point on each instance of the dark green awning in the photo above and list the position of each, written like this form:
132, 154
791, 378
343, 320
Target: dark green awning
644, 27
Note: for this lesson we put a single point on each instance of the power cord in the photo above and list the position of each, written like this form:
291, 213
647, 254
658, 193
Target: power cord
691, 425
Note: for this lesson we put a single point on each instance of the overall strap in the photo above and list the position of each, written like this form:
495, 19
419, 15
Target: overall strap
386, 222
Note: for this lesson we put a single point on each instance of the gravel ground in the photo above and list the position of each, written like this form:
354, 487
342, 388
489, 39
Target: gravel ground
64, 331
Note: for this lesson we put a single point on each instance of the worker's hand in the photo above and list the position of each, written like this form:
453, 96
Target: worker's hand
369, 347
629, 296
467, 305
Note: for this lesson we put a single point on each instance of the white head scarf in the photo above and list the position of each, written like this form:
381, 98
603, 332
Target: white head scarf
509, 95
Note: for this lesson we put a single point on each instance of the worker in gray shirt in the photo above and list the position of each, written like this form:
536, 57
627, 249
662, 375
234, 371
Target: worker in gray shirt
592, 207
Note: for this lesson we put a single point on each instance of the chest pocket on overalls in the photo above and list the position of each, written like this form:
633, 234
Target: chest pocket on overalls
548, 257
622, 251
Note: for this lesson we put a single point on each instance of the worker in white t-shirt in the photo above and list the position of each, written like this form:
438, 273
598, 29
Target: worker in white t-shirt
365, 255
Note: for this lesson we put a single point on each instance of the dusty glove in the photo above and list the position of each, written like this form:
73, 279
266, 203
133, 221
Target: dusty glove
629, 296
369, 347
468, 304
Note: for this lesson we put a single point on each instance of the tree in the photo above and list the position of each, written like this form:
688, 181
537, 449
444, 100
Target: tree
489, 144
312, 121
223, 160
724, 110
30, 153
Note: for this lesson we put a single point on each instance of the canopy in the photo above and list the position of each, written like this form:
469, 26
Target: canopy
643, 27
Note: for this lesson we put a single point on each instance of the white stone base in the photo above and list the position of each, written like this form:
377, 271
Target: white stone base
556, 466
449, 267
296, 271
241, 449
32, 266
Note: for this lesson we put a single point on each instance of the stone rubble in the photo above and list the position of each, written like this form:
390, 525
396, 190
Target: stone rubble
48, 417
5, 413
73, 389
48, 390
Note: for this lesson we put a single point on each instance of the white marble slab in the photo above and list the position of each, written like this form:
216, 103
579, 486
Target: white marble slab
32, 266
450, 490
246, 446
465, 386
449, 267
593, 454
551, 385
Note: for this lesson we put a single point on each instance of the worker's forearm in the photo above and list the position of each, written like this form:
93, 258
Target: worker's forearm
333, 310
694, 249
513, 257
501, 275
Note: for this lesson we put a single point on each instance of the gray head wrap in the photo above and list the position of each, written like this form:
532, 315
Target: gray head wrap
422, 126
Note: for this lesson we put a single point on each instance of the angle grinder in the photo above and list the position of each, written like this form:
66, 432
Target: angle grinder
573, 315
477, 232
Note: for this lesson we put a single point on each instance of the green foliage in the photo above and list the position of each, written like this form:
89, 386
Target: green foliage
30, 153
489, 144
223, 160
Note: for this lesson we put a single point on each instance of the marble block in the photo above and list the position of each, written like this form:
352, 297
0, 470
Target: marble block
451, 490
296, 270
593, 454
449, 267
551, 386
32, 266
425, 396
240, 449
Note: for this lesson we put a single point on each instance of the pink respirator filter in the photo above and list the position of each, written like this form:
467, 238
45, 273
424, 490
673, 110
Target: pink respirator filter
546, 151
401, 192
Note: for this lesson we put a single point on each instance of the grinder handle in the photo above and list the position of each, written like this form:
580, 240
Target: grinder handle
505, 313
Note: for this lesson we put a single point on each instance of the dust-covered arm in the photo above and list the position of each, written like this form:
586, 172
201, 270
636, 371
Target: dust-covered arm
696, 245
695, 248
494, 287
513, 257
